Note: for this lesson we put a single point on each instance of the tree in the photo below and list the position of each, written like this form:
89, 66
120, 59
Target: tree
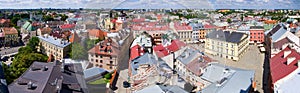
91, 43
25, 57
47, 18
33, 43
229, 20
78, 52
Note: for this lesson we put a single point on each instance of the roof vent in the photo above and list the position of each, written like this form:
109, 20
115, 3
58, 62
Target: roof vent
45, 68
221, 82
31, 85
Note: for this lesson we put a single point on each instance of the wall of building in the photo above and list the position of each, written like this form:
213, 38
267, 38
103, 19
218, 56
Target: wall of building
257, 35
103, 61
227, 49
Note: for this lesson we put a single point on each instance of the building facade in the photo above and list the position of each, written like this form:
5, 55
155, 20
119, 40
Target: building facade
190, 65
52, 46
104, 55
231, 45
11, 37
257, 34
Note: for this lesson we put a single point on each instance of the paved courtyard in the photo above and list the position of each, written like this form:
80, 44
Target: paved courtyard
252, 60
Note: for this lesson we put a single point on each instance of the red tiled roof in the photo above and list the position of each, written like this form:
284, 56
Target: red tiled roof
97, 33
207, 26
278, 65
164, 51
183, 26
176, 45
270, 22
67, 26
138, 20
4, 20
74, 38
195, 66
107, 44
150, 26
135, 52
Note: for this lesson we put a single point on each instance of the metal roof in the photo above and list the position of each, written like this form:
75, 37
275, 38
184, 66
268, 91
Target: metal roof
56, 42
233, 37
224, 79
93, 72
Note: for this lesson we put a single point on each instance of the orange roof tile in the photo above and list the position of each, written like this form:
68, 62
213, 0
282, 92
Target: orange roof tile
10, 30
97, 33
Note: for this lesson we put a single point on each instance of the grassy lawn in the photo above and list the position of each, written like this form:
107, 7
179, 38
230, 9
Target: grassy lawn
99, 81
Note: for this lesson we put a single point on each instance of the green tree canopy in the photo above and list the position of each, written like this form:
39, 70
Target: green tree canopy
33, 43
229, 20
78, 52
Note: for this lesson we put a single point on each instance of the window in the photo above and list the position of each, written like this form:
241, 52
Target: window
110, 67
110, 62
110, 57
101, 61
97, 65
96, 60
96, 55
100, 66
100, 56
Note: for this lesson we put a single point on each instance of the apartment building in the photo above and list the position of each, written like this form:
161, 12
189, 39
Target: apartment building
230, 45
53, 46
184, 32
257, 34
105, 55
191, 64
10, 35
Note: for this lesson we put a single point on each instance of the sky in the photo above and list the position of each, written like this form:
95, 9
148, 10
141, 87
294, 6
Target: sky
151, 4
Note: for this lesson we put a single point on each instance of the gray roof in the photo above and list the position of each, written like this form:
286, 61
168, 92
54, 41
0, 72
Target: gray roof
93, 72
3, 84
162, 89
227, 79
70, 80
56, 42
188, 55
142, 60
233, 37
279, 32
196, 26
256, 27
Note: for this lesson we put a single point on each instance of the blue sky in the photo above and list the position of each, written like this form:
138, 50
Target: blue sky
202, 4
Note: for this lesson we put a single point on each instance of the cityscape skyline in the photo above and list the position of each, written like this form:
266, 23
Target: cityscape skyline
150, 4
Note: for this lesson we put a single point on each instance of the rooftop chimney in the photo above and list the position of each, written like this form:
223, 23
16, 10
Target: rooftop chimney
290, 60
286, 53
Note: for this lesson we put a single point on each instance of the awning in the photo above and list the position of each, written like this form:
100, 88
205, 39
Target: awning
262, 49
